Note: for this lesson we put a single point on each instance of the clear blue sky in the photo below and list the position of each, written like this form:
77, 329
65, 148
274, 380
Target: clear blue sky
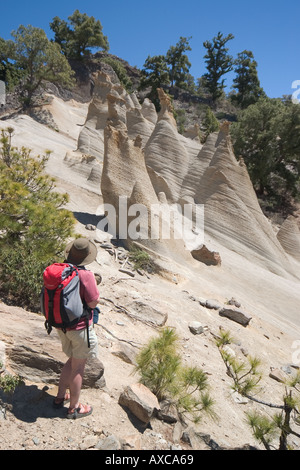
136, 29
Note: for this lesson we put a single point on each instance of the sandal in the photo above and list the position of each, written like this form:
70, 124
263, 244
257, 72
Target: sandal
59, 402
80, 412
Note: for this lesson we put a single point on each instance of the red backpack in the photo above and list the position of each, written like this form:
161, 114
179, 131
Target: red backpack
61, 303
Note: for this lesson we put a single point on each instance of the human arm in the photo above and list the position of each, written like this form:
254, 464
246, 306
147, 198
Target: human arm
93, 304
88, 288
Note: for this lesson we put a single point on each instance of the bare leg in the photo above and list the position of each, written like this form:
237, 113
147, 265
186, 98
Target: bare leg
64, 381
75, 380
71, 377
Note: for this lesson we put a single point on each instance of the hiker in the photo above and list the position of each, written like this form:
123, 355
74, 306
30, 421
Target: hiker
75, 344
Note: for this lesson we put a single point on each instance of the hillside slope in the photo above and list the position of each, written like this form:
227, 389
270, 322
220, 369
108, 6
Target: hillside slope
271, 299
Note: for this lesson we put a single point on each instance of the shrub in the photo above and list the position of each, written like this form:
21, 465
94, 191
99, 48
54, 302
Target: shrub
141, 259
210, 123
8, 383
160, 367
158, 363
246, 378
120, 71
34, 225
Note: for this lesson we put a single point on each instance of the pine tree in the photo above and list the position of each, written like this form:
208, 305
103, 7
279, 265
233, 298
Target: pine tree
219, 62
246, 82
154, 75
78, 35
37, 61
160, 367
34, 224
267, 137
246, 378
179, 63
9, 73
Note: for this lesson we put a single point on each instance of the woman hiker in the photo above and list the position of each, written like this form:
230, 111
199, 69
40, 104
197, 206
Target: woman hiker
79, 252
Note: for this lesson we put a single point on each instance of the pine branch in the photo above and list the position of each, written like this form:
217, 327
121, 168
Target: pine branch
271, 405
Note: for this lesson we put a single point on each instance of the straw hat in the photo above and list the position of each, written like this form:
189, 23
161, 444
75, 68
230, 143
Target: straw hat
81, 251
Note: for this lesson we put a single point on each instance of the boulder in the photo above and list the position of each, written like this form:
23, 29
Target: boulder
140, 401
109, 443
212, 304
199, 440
236, 315
278, 375
33, 354
196, 327
124, 351
168, 412
147, 313
234, 302
206, 256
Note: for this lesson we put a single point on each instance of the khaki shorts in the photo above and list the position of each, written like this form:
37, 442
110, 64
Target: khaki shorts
74, 343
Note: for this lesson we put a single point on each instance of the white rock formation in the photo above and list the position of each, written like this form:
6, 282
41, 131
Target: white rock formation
232, 213
165, 153
91, 141
139, 119
144, 156
126, 185
289, 237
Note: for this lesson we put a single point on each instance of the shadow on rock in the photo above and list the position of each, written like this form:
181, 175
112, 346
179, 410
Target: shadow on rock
136, 422
29, 402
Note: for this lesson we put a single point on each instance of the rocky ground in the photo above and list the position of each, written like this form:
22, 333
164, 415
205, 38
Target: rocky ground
132, 310
28, 422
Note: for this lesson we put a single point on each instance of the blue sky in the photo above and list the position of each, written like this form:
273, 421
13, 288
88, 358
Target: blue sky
136, 29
